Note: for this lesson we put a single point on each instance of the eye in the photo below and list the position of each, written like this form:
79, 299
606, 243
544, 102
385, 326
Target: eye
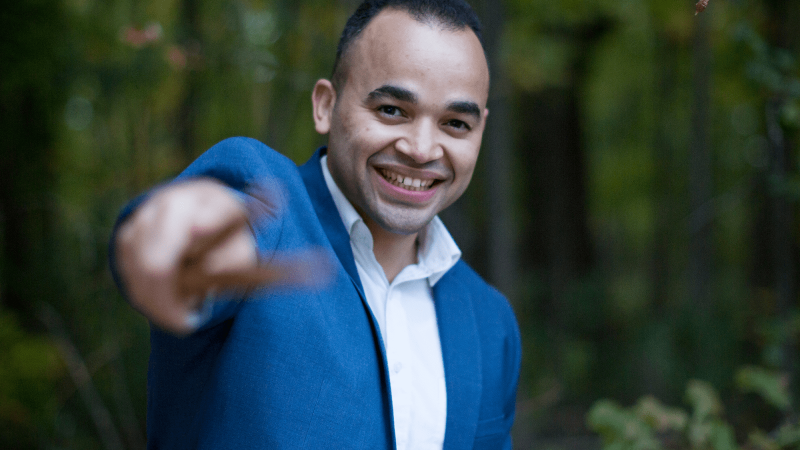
458, 124
390, 110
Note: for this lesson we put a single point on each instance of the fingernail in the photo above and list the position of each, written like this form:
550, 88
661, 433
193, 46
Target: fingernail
193, 320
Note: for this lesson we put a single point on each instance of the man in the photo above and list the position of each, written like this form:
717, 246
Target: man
399, 344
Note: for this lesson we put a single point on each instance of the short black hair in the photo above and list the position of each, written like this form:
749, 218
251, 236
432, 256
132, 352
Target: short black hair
452, 15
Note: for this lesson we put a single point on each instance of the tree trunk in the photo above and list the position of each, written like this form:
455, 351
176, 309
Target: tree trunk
700, 201
29, 105
553, 169
663, 197
497, 157
187, 113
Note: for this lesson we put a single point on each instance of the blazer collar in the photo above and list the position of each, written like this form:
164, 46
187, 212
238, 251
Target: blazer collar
329, 215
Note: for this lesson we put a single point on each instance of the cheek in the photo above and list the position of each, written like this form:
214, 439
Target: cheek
464, 164
373, 131
372, 139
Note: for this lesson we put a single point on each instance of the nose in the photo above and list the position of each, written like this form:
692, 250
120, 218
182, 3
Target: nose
420, 142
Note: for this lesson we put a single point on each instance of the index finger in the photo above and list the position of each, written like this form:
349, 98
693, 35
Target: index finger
309, 269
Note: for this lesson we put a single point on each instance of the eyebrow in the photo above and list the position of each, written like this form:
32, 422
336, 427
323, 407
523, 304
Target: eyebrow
396, 92
404, 95
465, 107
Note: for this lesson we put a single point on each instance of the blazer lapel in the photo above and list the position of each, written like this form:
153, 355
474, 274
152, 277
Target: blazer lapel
329, 216
461, 352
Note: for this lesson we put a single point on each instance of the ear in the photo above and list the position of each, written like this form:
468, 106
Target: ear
323, 98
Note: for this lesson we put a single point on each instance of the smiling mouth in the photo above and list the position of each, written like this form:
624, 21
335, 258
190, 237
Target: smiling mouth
408, 183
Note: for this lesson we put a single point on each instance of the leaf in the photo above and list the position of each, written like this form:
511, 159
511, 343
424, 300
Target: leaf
661, 417
722, 437
770, 385
620, 428
608, 419
759, 440
789, 435
700, 6
704, 400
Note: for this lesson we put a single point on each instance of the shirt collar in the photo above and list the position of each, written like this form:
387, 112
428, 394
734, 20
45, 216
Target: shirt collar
437, 251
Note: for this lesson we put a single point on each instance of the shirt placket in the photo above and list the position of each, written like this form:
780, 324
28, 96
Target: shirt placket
397, 354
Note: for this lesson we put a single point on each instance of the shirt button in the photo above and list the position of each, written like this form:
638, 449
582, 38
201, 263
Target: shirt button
397, 367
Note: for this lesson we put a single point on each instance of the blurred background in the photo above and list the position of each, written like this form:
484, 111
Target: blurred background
636, 199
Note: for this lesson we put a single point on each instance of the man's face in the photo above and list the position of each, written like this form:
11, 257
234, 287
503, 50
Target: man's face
405, 127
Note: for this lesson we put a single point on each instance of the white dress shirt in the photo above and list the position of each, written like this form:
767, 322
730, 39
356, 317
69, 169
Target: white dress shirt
406, 317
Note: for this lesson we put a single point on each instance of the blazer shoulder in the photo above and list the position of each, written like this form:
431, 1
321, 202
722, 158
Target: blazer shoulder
239, 162
494, 313
466, 275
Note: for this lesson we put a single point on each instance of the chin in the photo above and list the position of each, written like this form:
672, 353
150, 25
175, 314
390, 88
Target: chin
404, 225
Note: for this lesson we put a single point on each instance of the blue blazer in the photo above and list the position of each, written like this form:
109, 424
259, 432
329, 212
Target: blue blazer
301, 368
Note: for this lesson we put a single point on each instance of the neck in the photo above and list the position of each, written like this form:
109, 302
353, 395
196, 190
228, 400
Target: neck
392, 251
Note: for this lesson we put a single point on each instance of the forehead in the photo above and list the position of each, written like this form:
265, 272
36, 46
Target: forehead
423, 57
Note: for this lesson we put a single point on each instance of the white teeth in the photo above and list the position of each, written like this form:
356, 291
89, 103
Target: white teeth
414, 184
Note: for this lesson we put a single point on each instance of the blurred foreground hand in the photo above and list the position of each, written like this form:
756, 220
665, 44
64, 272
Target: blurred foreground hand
185, 242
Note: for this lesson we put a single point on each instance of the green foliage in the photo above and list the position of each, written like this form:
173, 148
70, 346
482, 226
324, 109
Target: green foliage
651, 425
706, 428
29, 367
624, 429
771, 385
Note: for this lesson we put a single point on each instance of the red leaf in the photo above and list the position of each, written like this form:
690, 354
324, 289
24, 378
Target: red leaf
700, 6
